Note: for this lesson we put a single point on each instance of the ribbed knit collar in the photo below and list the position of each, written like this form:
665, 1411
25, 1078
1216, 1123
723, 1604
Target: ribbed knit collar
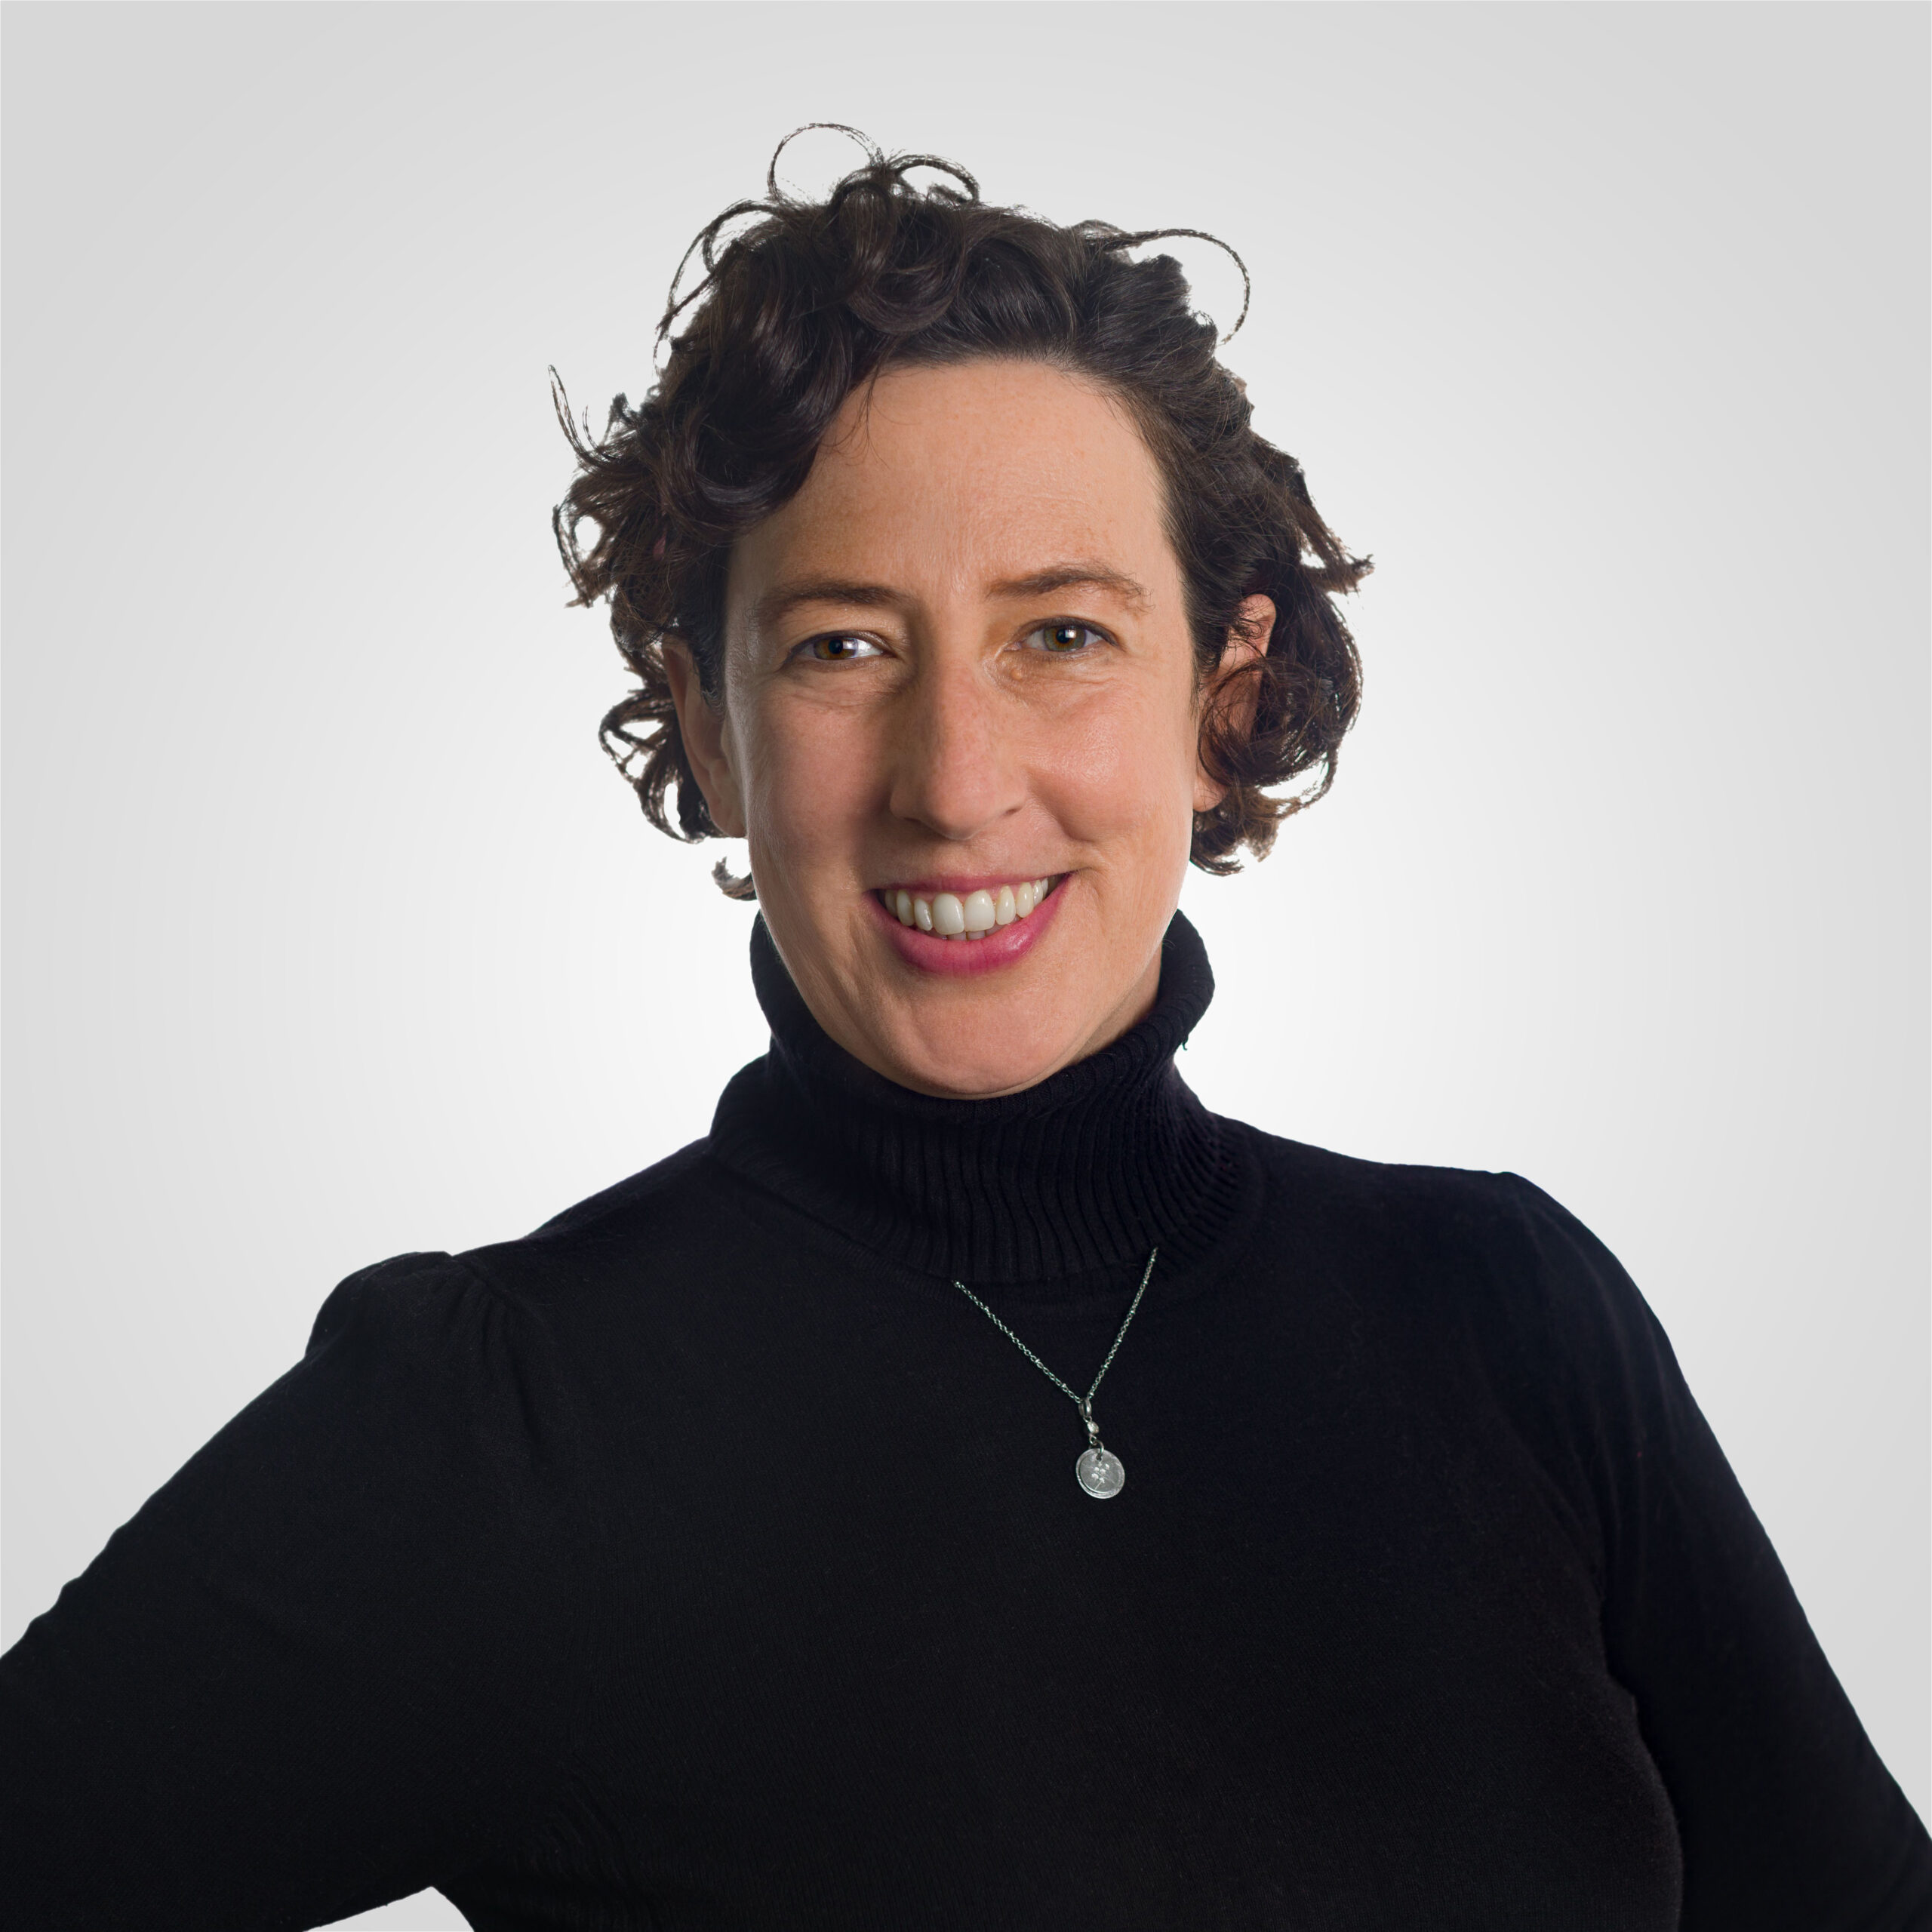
1056, 1186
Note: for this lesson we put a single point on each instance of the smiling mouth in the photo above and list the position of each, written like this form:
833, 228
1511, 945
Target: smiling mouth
971, 916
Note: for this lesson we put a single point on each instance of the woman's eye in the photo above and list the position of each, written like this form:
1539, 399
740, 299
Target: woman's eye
1065, 640
839, 648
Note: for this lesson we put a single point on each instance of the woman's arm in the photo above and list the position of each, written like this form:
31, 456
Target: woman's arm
333, 1660
1788, 1817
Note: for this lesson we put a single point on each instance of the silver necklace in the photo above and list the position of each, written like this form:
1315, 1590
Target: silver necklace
1099, 1471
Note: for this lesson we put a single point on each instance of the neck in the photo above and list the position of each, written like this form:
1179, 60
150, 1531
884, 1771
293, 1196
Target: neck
1063, 1183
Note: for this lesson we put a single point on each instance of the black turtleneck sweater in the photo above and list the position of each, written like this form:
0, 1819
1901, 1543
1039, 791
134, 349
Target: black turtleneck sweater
705, 1559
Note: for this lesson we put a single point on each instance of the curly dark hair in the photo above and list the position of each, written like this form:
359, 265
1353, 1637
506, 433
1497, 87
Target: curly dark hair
813, 298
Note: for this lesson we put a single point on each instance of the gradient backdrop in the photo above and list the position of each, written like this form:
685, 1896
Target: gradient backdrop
329, 934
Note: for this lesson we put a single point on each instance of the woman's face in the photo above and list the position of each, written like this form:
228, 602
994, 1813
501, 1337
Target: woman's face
957, 664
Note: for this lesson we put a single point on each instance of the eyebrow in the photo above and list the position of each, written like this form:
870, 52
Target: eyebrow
1075, 576
782, 599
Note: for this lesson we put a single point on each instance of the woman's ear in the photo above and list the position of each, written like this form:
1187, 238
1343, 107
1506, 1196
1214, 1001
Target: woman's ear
705, 730
1227, 709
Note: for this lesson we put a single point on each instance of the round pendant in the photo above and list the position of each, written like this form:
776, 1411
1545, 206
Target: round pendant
1101, 1473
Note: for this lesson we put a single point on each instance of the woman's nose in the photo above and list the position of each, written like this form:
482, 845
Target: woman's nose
959, 762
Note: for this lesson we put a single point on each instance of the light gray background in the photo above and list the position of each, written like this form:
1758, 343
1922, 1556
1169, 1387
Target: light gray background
329, 934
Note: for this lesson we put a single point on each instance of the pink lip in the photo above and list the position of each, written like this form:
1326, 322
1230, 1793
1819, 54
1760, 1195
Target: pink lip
965, 958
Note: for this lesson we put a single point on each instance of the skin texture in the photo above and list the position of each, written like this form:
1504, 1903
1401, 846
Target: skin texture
925, 714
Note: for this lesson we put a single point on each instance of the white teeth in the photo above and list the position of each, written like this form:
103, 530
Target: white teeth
949, 916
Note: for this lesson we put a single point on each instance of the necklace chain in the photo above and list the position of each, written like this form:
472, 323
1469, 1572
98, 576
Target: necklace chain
1083, 1400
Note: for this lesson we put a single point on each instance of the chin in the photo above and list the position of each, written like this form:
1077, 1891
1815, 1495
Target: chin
991, 1084
967, 1070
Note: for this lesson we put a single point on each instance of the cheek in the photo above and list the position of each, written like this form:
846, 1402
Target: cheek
1125, 771
809, 784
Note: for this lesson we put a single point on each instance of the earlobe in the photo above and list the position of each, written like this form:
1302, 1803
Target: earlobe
1228, 710
701, 727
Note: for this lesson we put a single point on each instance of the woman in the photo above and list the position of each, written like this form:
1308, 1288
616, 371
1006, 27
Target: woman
1338, 1547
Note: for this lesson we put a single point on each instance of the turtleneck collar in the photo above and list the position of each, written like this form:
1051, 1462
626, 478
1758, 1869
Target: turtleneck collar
1066, 1181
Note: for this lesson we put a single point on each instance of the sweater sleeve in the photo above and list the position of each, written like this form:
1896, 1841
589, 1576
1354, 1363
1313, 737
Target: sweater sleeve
1787, 1818
330, 1662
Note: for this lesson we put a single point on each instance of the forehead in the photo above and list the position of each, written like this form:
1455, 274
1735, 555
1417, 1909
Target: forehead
943, 479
